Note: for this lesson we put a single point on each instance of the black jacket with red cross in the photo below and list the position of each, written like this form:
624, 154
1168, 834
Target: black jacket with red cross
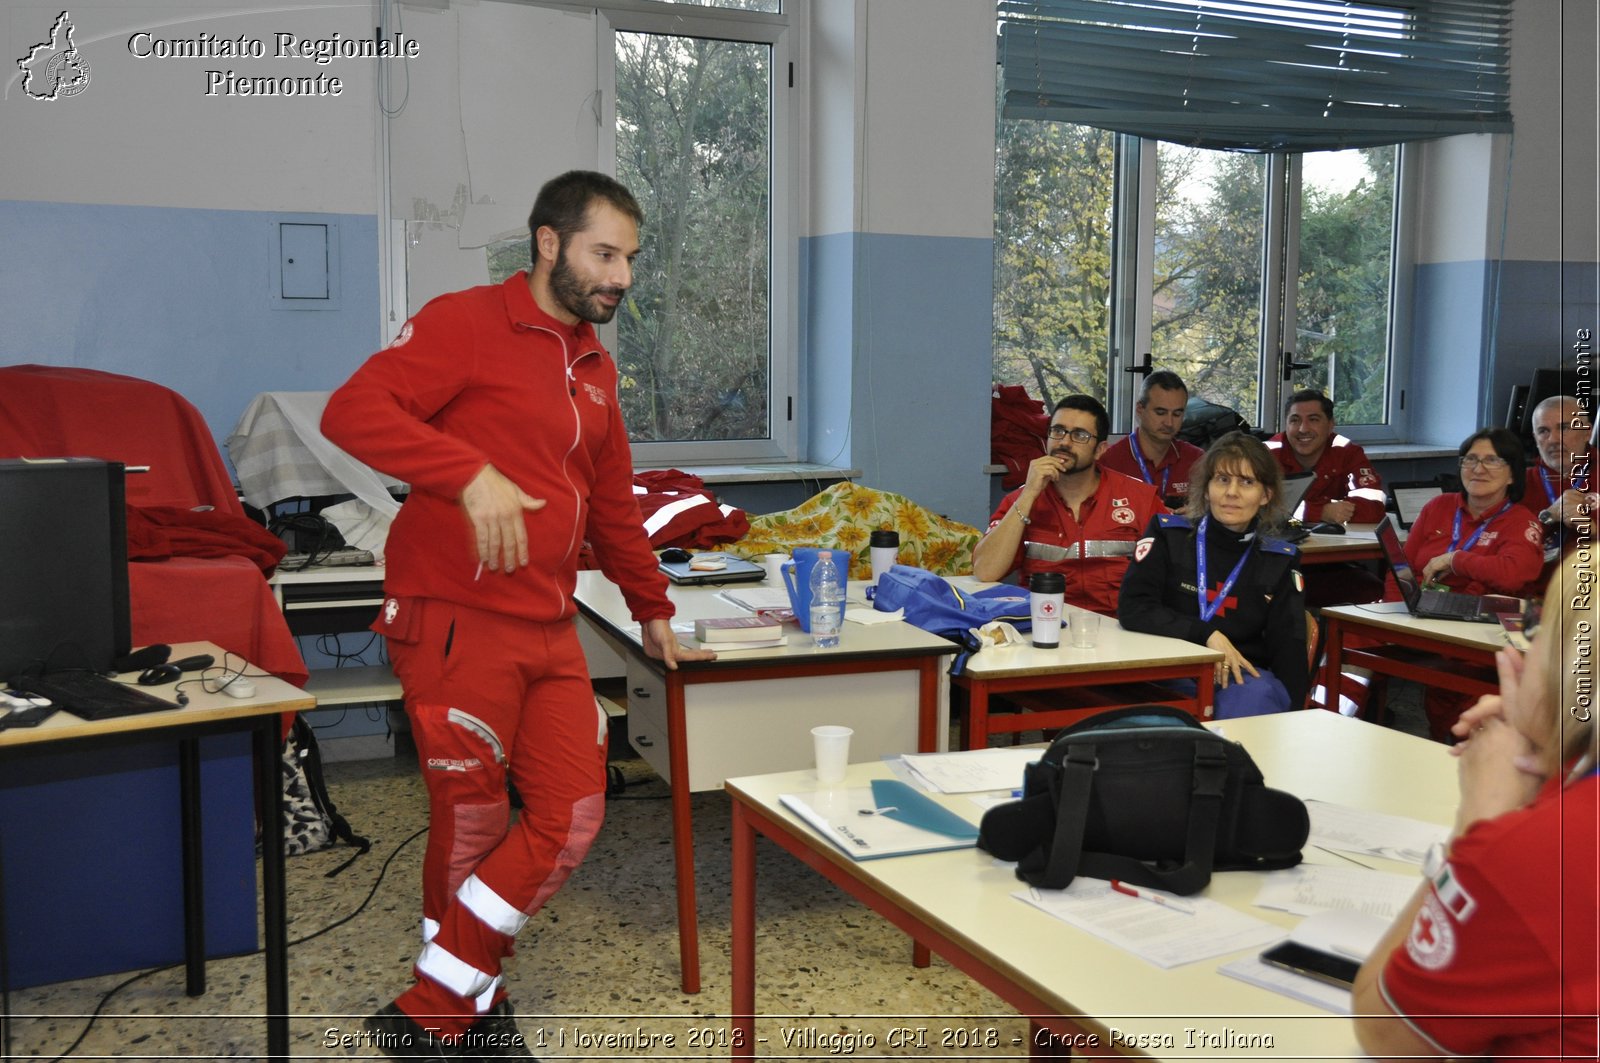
1263, 614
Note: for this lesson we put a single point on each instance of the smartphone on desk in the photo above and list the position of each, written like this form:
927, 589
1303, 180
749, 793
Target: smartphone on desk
1313, 963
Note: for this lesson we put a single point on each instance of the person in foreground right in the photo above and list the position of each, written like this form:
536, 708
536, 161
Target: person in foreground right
1495, 956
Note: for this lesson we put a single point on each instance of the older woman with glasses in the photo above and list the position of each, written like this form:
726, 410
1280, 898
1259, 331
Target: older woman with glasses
1479, 542
1495, 956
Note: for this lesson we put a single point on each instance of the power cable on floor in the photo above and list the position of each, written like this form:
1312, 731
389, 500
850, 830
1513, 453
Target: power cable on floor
119, 987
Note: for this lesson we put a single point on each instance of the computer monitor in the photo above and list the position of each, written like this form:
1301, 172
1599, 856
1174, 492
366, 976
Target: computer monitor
1545, 383
63, 566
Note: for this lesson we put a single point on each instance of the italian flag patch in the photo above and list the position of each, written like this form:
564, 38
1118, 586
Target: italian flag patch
1456, 900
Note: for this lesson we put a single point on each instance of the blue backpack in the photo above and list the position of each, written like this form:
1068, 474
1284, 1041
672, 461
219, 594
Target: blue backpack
934, 605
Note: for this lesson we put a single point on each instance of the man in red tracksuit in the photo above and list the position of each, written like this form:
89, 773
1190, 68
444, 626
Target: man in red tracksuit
498, 406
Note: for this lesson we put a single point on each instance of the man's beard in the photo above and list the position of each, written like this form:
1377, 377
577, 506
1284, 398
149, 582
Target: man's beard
576, 297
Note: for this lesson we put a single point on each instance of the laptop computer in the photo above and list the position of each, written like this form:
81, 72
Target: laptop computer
732, 570
1409, 498
1434, 604
1294, 492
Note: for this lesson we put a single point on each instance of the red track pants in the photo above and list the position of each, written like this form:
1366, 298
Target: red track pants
489, 694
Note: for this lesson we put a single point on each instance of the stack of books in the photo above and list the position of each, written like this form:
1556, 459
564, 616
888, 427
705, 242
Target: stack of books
739, 633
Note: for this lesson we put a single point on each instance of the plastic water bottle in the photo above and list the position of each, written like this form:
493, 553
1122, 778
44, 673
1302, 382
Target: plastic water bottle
827, 602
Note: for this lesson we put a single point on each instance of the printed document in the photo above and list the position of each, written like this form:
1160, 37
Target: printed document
1156, 934
1355, 830
1310, 888
971, 771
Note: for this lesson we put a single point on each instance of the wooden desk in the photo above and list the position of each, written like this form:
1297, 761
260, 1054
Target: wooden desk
1069, 982
1450, 654
753, 710
1118, 656
205, 714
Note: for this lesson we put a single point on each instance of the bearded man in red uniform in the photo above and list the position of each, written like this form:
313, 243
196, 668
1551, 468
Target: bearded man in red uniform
499, 407
1070, 516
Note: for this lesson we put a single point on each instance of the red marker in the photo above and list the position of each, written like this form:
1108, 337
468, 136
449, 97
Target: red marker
1155, 898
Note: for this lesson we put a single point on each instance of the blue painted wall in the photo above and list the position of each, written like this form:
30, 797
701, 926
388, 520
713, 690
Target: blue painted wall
180, 297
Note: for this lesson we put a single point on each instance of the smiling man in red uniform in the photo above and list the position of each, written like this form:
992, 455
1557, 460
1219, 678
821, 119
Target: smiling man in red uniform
1347, 488
499, 407
1070, 516
1152, 452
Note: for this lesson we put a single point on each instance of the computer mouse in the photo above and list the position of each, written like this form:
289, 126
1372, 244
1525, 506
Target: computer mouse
675, 555
161, 673
1326, 527
240, 688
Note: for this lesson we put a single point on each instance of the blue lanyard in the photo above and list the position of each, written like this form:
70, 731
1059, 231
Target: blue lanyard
1550, 488
1455, 531
1144, 470
1209, 611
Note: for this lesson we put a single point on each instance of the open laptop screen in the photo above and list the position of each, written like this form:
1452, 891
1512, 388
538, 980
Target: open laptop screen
1395, 554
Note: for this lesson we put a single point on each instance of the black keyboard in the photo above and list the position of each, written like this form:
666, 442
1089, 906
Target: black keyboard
1450, 604
92, 696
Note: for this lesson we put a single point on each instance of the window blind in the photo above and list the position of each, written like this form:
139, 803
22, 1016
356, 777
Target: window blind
1260, 75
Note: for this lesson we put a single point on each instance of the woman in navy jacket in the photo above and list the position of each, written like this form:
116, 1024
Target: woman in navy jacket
1216, 576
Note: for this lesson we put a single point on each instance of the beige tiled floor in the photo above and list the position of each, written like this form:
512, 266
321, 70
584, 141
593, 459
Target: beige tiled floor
600, 959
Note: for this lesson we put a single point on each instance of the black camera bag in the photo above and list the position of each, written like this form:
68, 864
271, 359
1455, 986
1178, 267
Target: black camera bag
1148, 796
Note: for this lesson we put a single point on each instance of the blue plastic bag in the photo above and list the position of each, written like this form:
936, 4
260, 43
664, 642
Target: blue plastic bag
934, 605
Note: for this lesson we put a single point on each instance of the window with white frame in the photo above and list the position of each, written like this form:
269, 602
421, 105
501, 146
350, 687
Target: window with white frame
693, 121
1247, 228
1109, 249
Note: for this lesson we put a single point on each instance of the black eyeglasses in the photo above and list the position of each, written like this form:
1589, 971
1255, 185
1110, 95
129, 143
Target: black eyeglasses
1493, 461
1078, 435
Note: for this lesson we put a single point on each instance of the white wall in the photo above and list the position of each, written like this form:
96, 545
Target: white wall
928, 121
145, 133
1555, 85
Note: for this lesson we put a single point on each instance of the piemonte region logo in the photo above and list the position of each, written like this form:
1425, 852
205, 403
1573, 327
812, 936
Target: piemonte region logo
55, 69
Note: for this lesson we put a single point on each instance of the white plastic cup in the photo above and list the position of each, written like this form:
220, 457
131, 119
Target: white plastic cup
832, 747
774, 563
1085, 630
885, 552
1046, 594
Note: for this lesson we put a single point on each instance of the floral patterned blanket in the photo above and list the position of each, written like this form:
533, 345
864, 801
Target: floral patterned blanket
845, 516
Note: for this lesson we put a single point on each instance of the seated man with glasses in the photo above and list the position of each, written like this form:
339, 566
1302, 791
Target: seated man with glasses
1070, 516
1479, 541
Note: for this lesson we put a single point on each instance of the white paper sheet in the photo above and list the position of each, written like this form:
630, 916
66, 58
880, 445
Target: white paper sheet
1158, 935
1355, 830
1278, 980
972, 771
1311, 888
